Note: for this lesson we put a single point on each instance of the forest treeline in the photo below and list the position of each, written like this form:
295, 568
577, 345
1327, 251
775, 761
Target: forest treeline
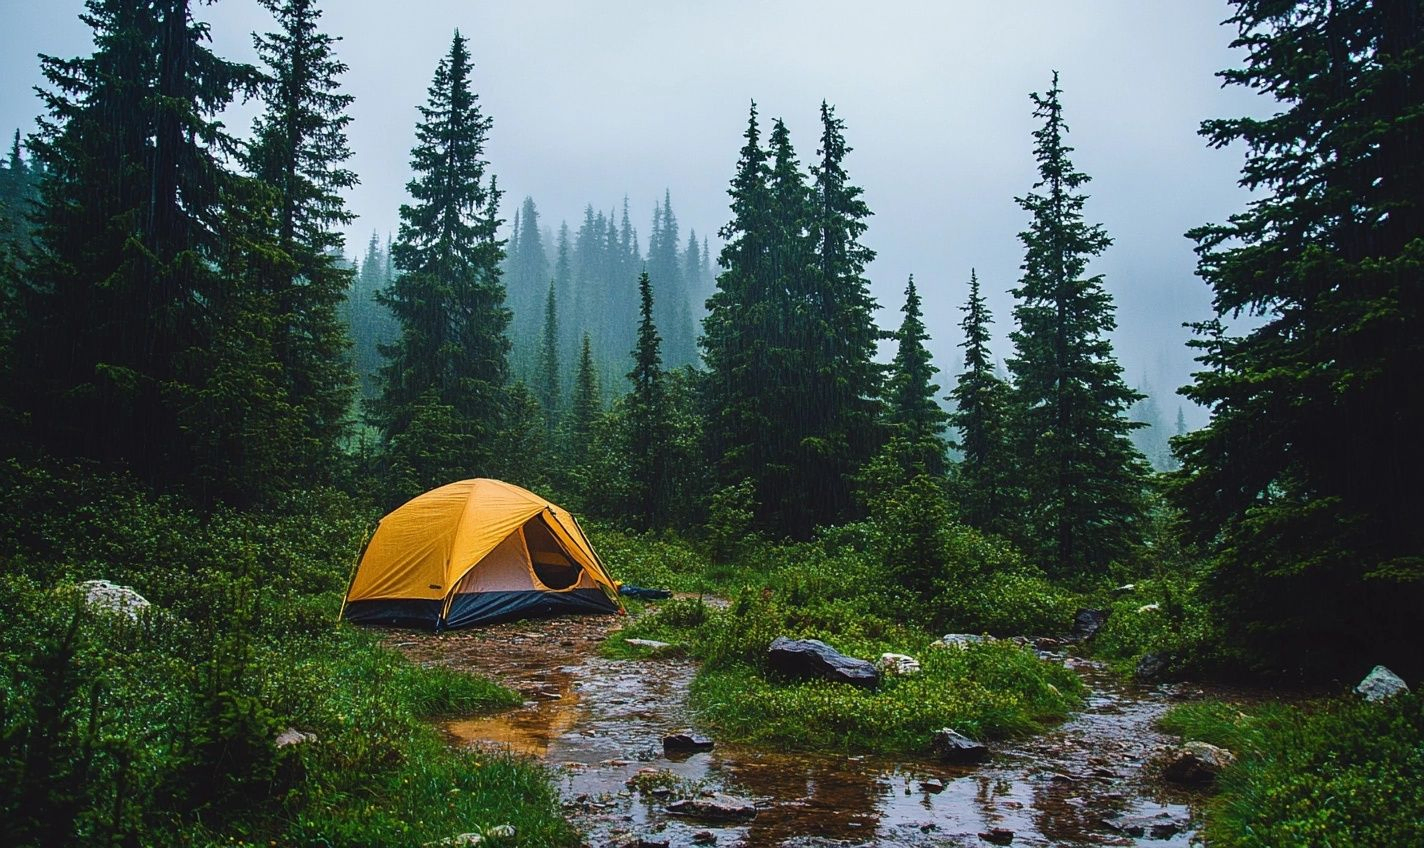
176, 305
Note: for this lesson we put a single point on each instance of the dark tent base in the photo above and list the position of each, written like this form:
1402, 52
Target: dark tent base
478, 608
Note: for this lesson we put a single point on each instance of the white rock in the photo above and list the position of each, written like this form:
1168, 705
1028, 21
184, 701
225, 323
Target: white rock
1381, 683
899, 664
293, 736
114, 598
1149, 607
500, 831
959, 640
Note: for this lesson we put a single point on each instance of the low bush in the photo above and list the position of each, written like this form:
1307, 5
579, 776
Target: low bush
163, 730
1164, 616
1337, 772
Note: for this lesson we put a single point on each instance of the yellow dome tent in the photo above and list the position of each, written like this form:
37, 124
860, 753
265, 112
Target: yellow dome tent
473, 552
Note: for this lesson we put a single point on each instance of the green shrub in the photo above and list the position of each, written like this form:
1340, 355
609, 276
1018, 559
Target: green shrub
1339, 772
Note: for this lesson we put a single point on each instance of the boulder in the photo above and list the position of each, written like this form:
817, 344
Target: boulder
814, 658
998, 835
898, 664
1381, 684
685, 740
1195, 763
716, 807
1150, 667
113, 598
954, 747
1087, 623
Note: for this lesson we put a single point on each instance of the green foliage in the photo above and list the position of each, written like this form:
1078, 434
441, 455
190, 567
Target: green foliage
1083, 476
652, 560
1166, 616
731, 512
983, 479
1304, 485
1340, 772
789, 337
161, 731
446, 375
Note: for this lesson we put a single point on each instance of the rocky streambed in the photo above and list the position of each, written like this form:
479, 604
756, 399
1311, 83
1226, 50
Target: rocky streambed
599, 724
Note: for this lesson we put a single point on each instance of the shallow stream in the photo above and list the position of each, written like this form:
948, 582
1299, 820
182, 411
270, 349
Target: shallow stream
597, 722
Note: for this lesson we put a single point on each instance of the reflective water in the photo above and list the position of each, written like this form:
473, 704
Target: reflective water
597, 722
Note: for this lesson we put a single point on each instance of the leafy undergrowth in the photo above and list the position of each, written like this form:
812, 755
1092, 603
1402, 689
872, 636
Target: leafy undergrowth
162, 731
1332, 773
837, 590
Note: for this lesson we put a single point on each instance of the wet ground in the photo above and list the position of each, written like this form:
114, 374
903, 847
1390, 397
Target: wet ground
599, 722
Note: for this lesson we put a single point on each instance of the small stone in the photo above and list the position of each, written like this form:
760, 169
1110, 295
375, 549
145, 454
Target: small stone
686, 740
998, 835
1195, 763
704, 837
1087, 623
933, 785
1381, 684
1150, 667
500, 831
293, 736
959, 640
898, 664
718, 807
1154, 607
113, 598
953, 747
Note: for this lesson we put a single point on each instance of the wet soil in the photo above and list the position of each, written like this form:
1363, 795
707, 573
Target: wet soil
598, 722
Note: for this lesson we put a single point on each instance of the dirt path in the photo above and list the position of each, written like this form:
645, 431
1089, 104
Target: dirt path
597, 722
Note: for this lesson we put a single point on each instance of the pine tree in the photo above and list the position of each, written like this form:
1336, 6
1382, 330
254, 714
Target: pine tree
370, 323
550, 394
586, 404
647, 422
736, 357
1304, 485
845, 378
1083, 474
299, 145
118, 306
526, 277
912, 410
982, 418
452, 355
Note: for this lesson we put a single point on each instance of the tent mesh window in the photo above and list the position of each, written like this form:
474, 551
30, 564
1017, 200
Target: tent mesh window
551, 565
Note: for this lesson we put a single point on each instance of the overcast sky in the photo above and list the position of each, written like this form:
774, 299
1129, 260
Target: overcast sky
592, 101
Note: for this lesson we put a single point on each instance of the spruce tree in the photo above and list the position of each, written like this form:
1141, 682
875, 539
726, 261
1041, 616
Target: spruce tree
982, 420
117, 308
586, 404
647, 422
1083, 475
298, 149
549, 392
526, 277
912, 410
845, 378
452, 354
1304, 485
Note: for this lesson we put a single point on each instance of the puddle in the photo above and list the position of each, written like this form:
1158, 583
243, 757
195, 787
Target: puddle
596, 722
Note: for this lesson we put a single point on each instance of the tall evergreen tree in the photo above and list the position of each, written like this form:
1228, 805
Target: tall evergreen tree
549, 393
526, 278
447, 373
982, 419
648, 427
844, 376
912, 410
1084, 476
299, 147
587, 402
370, 323
117, 307
1304, 485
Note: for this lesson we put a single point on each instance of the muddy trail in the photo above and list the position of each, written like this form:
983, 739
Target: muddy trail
598, 722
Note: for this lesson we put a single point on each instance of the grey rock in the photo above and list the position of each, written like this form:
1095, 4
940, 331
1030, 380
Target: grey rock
686, 740
1381, 684
1195, 763
1087, 623
1163, 825
898, 664
1150, 667
113, 598
954, 747
293, 736
998, 835
960, 640
716, 807
814, 658
704, 837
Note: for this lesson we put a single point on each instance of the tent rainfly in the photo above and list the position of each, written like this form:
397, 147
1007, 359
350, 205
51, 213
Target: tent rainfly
475, 552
